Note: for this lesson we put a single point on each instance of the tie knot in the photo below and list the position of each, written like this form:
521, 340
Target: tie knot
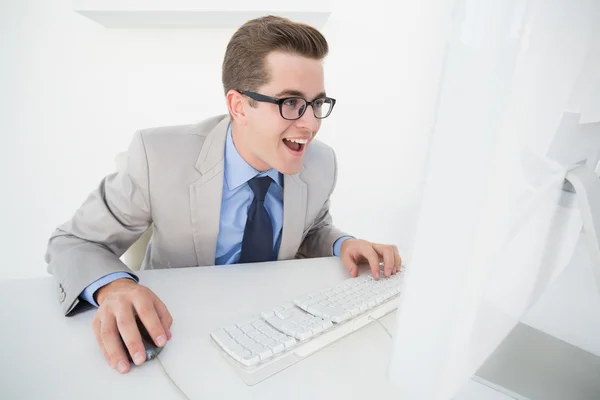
259, 186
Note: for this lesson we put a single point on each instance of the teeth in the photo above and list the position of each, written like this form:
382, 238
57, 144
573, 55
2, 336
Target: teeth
301, 141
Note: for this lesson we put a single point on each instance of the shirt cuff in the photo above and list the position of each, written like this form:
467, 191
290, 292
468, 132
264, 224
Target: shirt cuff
337, 245
88, 292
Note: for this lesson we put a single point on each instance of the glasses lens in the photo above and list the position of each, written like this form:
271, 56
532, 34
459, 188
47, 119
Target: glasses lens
322, 107
293, 108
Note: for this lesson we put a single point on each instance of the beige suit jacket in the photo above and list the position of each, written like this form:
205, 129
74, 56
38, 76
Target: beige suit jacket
173, 182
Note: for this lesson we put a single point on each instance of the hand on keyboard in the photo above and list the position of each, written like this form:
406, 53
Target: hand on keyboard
276, 338
355, 251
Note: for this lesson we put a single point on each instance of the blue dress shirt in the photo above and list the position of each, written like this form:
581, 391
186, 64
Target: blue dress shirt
236, 199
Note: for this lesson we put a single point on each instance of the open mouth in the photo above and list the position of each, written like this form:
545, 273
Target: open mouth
295, 145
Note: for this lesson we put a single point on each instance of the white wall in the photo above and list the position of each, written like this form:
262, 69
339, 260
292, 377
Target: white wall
73, 93
387, 85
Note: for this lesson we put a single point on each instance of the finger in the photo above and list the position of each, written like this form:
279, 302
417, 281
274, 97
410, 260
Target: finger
372, 257
144, 306
388, 258
164, 315
397, 260
131, 335
350, 265
96, 328
112, 343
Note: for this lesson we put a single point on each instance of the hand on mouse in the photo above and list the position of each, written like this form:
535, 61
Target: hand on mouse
119, 302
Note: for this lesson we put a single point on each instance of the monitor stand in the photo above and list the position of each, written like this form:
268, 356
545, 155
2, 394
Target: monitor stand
586, 186
532, 365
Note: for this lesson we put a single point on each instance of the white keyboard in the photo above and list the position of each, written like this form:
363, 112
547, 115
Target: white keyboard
272, 340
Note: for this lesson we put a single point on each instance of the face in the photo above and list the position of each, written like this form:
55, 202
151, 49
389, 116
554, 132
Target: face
265, 139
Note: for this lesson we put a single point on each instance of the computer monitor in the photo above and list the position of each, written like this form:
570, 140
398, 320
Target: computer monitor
513, 160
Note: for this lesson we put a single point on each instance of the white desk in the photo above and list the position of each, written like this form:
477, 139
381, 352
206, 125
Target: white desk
204, 299
46, 355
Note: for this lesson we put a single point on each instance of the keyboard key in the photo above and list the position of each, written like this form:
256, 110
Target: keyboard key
221, 337
288, 342
265, 354
235, 332
255, 348
268, 331
249, 359
278, 348
245, 341
254, 334
284, 314
295, 322
258, 324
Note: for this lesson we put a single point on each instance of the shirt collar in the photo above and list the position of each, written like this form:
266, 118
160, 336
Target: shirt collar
238, 171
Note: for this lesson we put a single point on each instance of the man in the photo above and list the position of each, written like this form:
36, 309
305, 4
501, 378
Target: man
250, 186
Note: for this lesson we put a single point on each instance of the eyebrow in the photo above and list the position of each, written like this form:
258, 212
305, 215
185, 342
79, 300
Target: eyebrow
292, 92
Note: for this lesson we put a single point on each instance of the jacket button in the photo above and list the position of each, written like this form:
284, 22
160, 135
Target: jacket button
61, 293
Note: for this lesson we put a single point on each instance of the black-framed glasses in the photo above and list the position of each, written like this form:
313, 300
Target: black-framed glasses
292, 108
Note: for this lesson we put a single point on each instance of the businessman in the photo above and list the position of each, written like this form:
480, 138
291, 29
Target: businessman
249, 186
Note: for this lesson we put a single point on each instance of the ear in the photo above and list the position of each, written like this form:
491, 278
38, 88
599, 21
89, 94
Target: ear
236, 106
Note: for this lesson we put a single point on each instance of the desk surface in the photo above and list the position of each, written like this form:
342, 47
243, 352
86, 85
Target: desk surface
204, 299
47, 355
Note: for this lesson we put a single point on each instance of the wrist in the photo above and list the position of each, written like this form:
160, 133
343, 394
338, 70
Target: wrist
101, 293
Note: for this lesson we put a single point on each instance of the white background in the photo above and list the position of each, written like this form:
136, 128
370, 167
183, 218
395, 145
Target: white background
72, 94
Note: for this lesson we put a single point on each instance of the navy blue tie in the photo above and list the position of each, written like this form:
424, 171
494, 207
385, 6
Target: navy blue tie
257, 244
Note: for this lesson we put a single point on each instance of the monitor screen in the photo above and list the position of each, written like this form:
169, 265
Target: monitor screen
496, 226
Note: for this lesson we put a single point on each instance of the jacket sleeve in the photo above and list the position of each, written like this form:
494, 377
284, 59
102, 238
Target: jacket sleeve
88, 246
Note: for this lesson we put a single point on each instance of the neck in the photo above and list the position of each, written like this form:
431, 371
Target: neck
240, 141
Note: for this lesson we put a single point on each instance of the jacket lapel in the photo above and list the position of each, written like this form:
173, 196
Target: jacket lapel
206, 194
294, 213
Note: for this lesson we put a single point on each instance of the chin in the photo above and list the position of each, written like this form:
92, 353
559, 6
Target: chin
290, 168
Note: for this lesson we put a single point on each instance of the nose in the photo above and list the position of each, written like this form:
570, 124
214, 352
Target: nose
308, 121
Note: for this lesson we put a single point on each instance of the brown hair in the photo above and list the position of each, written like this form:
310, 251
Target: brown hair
243, 66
